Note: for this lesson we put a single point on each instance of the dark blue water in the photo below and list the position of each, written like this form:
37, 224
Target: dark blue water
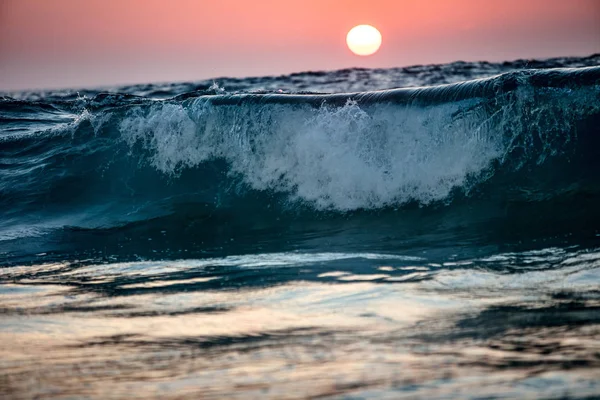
420, 232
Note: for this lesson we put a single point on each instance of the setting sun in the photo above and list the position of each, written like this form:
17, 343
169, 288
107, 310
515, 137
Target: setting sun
363, 40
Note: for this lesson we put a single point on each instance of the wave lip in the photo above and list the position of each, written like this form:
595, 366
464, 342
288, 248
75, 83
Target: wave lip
428, 95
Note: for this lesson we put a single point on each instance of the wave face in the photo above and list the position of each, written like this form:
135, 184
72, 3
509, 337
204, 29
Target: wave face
119, 162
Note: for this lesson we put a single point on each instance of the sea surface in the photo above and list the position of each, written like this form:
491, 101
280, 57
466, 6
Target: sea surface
423, 232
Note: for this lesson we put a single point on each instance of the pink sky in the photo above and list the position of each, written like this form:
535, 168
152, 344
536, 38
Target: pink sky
79, 43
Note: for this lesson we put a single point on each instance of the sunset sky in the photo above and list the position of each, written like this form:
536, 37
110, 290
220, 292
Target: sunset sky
79, 43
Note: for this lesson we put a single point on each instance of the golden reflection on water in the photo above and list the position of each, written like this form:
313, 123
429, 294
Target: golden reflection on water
358, 335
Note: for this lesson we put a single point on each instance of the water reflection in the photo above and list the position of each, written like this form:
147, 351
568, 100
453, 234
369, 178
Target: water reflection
351, 327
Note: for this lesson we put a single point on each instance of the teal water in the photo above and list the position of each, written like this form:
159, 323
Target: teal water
281, 237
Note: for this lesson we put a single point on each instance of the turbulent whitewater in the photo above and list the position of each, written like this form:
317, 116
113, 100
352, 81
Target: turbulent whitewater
443, 188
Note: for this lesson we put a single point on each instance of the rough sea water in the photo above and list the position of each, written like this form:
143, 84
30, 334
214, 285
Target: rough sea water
315, 235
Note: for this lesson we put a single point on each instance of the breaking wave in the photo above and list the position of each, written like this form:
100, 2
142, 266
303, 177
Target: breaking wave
112, 159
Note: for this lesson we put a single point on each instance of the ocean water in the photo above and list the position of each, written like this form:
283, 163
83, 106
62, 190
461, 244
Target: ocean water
422, 232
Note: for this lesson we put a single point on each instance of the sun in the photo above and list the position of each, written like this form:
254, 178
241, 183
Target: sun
363, 40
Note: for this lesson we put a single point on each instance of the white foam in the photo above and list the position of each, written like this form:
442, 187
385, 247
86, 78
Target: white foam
355, 156
340, 158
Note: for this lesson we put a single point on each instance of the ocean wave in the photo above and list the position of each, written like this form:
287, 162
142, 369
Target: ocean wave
374, 149
132, 158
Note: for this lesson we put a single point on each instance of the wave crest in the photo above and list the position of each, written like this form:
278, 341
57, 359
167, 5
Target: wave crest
372, 151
